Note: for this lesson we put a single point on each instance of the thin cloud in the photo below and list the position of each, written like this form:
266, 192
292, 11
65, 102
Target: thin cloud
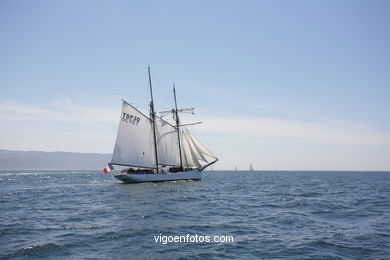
62, 110
301, 131
256, 128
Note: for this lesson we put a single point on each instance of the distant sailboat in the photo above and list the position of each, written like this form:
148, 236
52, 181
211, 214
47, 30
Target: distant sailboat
235, 168
155, 149
251, 167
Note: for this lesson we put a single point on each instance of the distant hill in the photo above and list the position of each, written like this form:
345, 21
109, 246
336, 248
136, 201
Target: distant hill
35, 160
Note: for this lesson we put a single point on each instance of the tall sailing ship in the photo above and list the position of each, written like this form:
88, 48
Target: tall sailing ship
151, 149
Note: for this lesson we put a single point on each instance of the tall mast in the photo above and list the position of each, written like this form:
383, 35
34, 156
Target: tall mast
177, 125
152, 115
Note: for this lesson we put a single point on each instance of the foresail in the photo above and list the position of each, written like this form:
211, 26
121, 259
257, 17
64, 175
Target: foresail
189, 157
201, 147
193, 151
134, 143
167, 143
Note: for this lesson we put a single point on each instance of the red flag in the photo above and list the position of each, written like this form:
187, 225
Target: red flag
106, 170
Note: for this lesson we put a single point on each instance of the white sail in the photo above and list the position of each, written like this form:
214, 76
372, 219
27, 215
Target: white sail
193, 150
167, 143
134, 143
189, 157
201, 147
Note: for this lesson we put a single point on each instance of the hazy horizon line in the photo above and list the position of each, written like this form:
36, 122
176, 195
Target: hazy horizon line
226, 169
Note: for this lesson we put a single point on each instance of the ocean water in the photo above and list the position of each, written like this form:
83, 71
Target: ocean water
270, 214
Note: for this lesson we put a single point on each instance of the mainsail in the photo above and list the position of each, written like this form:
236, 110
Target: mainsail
134, 142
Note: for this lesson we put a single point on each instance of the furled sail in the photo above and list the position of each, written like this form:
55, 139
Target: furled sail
172, 111
134, 143
167, 143
186, 110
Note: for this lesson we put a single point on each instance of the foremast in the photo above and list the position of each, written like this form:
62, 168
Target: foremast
177, 126
199, 149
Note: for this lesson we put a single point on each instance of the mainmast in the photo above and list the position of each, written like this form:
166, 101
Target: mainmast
152, 115
177, 125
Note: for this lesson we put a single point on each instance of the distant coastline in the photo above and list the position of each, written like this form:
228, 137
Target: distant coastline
38, 160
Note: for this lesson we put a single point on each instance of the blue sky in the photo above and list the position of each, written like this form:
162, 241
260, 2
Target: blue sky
279, 84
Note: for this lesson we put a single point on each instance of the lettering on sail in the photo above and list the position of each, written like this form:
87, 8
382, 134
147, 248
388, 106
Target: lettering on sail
134, 120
